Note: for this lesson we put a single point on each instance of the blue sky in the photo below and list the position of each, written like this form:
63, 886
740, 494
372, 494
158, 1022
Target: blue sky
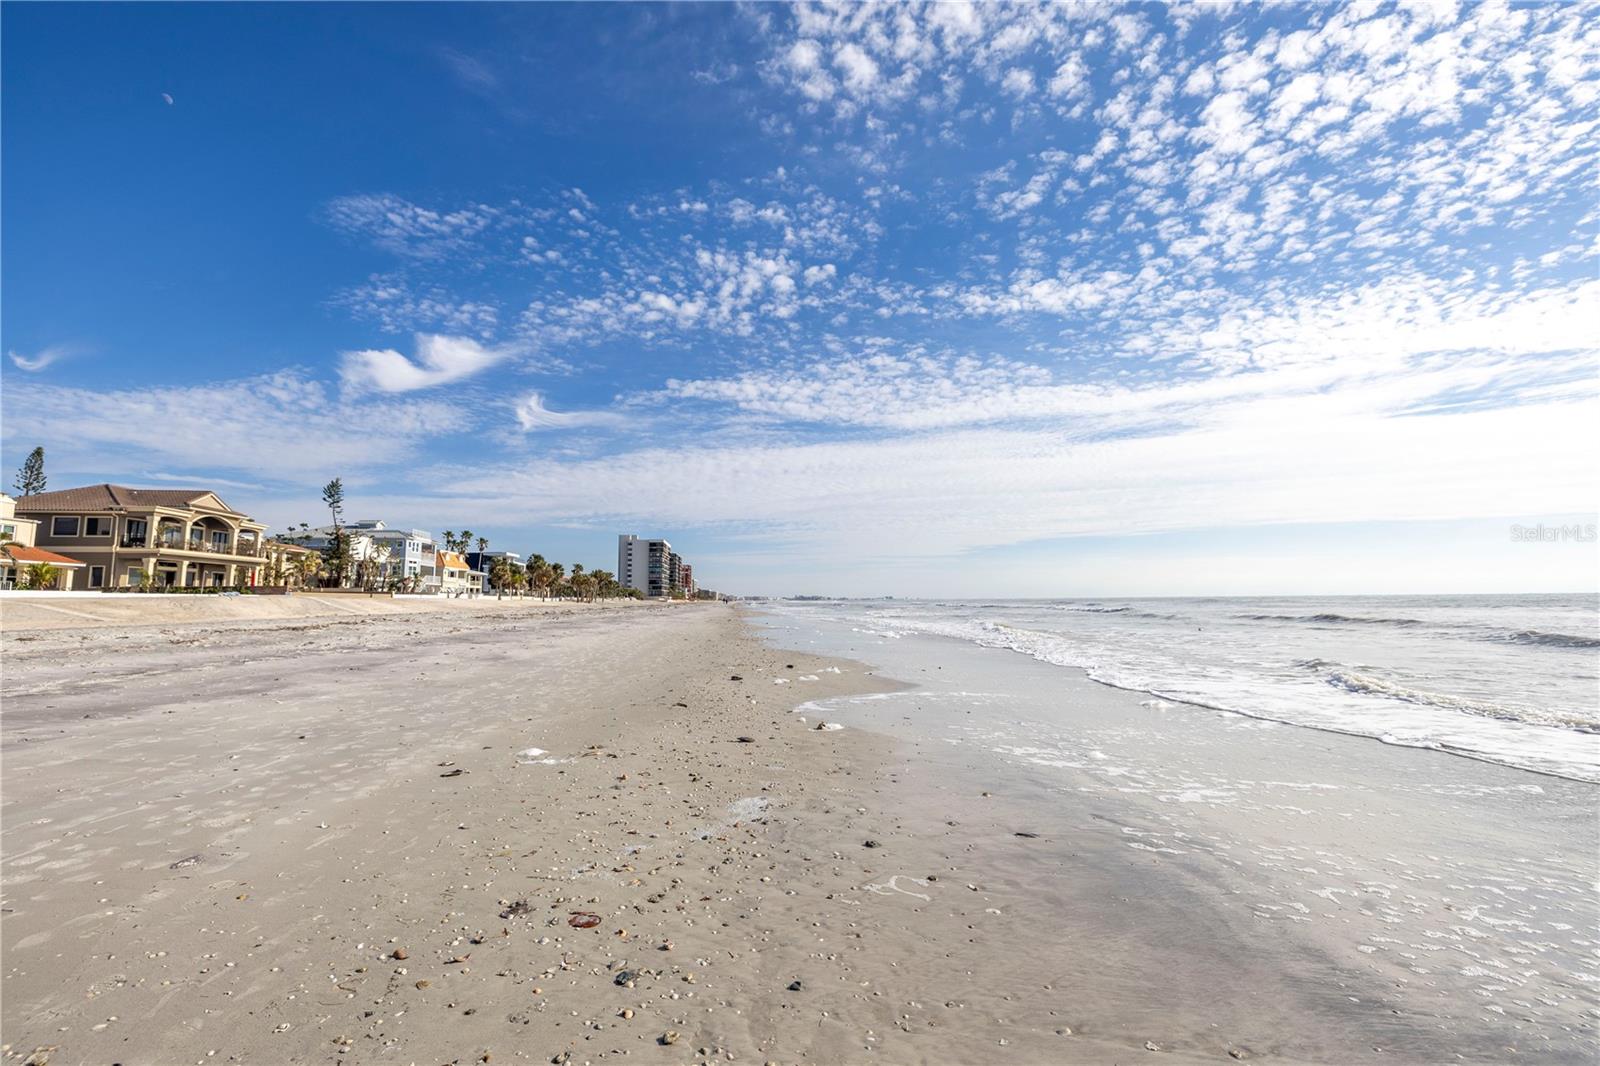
1010, 299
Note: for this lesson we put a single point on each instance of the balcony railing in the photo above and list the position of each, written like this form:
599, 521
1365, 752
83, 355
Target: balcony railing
245, 547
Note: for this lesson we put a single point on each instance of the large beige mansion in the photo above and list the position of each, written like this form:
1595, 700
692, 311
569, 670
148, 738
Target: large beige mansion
183, 537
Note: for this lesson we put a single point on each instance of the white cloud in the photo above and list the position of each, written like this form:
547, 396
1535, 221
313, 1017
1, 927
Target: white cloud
532, 414
439, 360
279, 427
860, 73
399, 226
1071, 78
946, 493
397, 306
41, 359
1380, 350
1018, 82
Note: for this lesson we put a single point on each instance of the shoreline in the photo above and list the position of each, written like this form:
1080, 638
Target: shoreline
358, 840
1247, 886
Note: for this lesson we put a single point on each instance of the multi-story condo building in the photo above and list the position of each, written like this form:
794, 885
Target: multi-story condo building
674, 573
183, 537
651, 566
686, 579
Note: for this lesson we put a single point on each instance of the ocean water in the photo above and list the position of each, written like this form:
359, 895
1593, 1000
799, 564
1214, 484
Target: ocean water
1513, 680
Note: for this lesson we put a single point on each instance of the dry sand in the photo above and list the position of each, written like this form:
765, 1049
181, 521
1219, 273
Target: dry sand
328, 841
33, 612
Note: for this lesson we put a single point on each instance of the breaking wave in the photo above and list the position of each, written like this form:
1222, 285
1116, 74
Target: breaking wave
1366, 685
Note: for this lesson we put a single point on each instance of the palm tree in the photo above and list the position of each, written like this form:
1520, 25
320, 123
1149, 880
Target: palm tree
308, 568
541, 575
41, 576
503, 575
449, 540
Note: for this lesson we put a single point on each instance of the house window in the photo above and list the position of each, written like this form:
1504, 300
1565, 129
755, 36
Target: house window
135, 575
97, 577
64, 525
8, 530
96, 527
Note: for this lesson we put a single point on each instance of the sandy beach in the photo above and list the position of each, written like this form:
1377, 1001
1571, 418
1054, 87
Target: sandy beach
577, 834
335, 841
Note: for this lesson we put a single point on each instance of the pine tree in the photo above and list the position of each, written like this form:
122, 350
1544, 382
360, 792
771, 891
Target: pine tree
30, 479
339, 561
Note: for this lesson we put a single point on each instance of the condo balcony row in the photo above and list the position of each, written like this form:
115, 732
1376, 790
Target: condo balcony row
209, 535
243, 547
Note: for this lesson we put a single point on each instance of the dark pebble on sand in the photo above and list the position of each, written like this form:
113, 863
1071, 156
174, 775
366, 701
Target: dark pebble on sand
871, 844
795, 986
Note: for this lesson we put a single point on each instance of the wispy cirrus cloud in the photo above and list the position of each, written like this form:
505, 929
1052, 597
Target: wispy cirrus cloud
469, 70
41, 359
532, 414
284, 426
950, 492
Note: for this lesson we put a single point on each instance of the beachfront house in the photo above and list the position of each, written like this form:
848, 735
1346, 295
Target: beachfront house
483, 564
455, 574
383, 556
410, 553
19, 554
187, 538
363, 556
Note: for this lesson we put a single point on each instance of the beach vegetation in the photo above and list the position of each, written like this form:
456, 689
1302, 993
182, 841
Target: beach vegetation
30, 478
40, 576
337, 553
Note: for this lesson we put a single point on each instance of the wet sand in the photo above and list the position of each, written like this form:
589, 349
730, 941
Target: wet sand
1219, 882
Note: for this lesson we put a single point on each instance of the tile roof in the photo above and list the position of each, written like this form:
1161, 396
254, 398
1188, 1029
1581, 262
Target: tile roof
104, 497
27, 555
